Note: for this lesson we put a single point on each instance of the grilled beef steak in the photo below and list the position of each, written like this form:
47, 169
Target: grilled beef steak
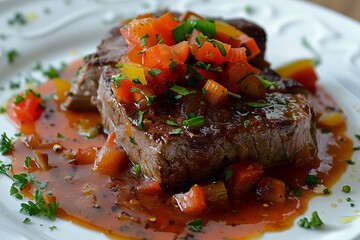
272, 131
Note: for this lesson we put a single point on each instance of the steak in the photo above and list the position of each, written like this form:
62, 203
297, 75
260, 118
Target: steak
113, 47
271, 133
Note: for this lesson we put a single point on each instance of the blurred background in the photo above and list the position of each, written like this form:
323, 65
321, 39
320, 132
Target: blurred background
350, 8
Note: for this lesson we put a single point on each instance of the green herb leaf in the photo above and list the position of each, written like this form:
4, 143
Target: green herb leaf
153, 72
311, 180
27, 161
12, 55
257, 104
132, 140
136, 169
52, 228
357, 136
5, 169
2, 110
218, 45
15, 192
39, 208
326, 191
346, 189
52, 72
140, 120
246, 123
228, 174
171, 123
350, 162
266, 83
59, 135
136, 81
176, 131
196, 225
5, 144
181, 90
172, 65
115, 79
314, 222
17, 19
195, 121
297, 192
27, 220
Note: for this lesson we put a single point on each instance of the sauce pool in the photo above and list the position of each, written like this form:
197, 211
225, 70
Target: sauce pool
114, 207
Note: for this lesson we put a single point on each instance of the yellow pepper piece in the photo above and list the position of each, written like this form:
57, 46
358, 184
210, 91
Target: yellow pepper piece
227, 29
134, 71
62, 87
332, 119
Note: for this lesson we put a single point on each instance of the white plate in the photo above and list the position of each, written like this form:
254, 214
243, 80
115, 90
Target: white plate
66, 30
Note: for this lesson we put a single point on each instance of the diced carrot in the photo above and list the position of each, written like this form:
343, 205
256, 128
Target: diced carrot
192, 202
271, 190
301, 71
85, 156
236, 55
111, 159
241, 177
215, 93
150, 186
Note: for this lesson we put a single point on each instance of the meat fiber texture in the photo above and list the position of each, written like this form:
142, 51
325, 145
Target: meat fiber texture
270, 135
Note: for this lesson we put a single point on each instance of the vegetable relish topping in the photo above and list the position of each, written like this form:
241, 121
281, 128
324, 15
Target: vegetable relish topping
191, 53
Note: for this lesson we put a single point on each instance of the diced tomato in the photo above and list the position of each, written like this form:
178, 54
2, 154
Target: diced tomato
122, 93
161, 55
210, 52
134, 54
29, 109
236, 55
111, 159
235, 73
192, 202
301, 71
150, 186
271, 190
158, 82
163, 27
196, 39
206, 74
140, 32
241, 177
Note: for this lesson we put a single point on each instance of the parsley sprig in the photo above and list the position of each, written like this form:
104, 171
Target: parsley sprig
5, 144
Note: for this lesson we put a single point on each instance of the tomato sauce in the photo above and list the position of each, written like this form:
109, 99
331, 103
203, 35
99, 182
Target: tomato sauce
114, 207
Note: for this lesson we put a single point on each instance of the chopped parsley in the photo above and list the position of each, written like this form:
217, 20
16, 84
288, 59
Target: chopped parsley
207, 66
246, 123
196, 225
143, 39
136, 169
315, 221
266, 83
59, 135
38, 207
297, 192
52, 72
115, 79
194, 121
14, 85
140, 120
350, 162
311, 180
181, 90
357, 136
17, 19
132, 140
257, 104
172, 65
52, 228
27, 162
2, 110
5, 168
12, 55
171, 123
5, 144
153, 72
176, 131
27, 220
326, 191
149, 99
228, 174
